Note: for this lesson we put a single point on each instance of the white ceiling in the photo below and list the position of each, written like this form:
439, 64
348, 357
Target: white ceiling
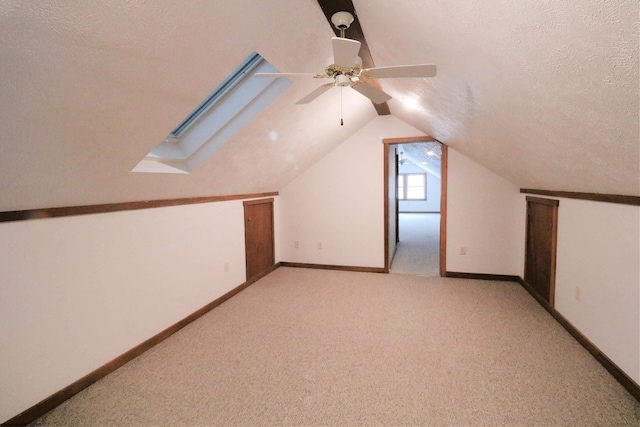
544, 93
425, 155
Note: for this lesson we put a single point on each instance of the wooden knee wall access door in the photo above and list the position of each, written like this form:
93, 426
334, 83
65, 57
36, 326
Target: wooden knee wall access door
540, 256
259, 236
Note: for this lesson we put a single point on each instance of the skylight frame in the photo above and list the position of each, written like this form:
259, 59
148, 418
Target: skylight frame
225, 111
229, 83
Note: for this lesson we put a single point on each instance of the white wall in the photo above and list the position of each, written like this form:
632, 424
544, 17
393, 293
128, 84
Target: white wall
79, 291
339, 202
485, 216
484, 211
434, 184
598, 251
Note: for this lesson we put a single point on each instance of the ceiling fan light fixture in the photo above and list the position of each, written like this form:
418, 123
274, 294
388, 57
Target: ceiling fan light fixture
346, 69
342, 80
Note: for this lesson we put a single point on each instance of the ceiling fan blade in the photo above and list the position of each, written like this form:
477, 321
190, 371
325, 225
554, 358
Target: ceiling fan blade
285, 75
422, 70
373, 93
345, 52
316, 93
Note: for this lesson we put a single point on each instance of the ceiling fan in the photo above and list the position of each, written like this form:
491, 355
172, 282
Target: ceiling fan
401, 159
347, 70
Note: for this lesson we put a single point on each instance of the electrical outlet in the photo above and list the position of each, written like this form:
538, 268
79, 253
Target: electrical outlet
463, 250
578, 291
296, 244
319, 245
226, 267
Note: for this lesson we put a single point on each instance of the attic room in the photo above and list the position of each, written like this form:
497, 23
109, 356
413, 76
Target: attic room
533, 103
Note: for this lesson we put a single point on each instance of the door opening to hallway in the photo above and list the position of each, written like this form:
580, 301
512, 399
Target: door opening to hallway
416, 206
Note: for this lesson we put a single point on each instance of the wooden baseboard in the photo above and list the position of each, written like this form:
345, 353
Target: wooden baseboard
333, 267
256, 278
626, 381
481, 276
56, 399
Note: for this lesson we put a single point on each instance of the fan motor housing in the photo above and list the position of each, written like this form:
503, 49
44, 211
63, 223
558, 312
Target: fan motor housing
342, 80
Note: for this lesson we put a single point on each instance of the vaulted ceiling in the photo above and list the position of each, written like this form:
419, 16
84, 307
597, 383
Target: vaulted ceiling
544, 93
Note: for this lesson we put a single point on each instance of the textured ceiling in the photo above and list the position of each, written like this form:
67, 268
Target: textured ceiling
425, 155
544, 93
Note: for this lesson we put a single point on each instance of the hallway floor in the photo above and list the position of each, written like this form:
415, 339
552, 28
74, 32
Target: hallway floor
418, 252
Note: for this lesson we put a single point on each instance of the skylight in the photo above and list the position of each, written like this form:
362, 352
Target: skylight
233, 104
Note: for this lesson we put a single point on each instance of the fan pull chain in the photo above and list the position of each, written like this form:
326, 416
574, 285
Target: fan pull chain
341, 121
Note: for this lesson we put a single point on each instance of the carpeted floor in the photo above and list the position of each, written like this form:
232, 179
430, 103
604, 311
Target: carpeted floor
318, 347
419, 249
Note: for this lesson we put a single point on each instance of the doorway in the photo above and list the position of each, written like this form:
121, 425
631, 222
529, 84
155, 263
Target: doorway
259, 237
415, 205
540, 255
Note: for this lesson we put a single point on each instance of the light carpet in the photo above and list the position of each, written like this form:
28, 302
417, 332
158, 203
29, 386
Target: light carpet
317, 347
419, 249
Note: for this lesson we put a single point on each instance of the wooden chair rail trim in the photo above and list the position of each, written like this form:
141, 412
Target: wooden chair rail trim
594, 197
22, 215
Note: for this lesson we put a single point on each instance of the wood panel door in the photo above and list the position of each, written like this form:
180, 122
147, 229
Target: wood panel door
258, 236
540, 256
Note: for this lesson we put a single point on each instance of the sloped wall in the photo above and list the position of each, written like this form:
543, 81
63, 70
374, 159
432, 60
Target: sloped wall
79, 291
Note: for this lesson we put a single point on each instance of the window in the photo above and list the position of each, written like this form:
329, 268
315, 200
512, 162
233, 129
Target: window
412, 186
233, 104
